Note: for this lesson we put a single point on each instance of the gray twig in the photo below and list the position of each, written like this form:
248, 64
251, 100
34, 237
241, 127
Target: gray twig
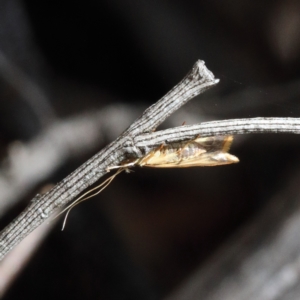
41, 207
149, 141
137, 141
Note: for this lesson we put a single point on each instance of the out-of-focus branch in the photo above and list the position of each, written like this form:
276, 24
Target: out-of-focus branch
261, 262
27, 89
18, 258
29, 164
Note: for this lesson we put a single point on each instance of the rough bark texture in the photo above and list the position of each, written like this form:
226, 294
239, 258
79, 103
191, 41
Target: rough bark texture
43, 206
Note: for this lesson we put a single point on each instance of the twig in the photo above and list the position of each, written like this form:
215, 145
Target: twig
149, 141
137, 141
41, 207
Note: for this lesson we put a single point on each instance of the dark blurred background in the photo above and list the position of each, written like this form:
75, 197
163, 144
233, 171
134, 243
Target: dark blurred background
149, 230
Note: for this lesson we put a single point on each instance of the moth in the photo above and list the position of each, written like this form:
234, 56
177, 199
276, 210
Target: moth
199, 152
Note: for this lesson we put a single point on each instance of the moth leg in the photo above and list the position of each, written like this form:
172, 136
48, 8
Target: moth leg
125, 166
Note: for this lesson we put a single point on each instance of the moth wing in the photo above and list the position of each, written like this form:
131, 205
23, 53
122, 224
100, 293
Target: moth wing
201, 152
217, 158
209, 159
159, 160
215, 143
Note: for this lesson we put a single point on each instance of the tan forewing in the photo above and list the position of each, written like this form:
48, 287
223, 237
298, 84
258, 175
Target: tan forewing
209, 151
